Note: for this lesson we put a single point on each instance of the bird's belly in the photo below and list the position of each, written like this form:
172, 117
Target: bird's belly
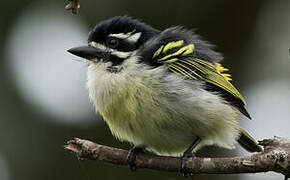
168, 131
154, 134
150, 125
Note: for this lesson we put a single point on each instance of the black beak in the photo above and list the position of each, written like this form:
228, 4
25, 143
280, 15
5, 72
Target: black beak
87, 52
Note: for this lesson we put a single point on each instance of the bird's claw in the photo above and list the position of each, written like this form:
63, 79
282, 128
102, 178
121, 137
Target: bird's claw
183, 170
131, 158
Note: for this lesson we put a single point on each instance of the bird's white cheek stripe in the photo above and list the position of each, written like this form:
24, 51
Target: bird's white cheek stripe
122, 55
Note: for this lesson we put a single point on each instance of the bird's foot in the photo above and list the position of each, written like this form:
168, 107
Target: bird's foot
183, 170
186, 155
131, 158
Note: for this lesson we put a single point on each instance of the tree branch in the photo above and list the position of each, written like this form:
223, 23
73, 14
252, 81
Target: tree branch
275, 157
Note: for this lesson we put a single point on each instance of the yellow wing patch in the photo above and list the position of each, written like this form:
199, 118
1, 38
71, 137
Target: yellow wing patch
158, 51
183, 51
172, 45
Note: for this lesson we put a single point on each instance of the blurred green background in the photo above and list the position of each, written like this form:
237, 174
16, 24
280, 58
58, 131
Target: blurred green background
44, 100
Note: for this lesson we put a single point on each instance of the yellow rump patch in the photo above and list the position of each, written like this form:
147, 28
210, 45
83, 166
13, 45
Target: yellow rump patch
221, 69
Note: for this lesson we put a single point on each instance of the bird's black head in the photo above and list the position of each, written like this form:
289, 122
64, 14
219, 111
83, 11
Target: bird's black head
115, 39
131, 33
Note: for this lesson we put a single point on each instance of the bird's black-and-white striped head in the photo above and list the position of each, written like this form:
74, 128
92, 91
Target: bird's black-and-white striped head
115, 40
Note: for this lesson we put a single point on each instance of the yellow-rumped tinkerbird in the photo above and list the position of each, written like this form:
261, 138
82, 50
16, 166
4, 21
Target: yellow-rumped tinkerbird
162, 91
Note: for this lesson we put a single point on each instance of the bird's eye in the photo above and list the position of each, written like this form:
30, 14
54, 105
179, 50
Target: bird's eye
112, 42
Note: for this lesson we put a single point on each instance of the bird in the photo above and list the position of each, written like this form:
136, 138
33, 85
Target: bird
163, 91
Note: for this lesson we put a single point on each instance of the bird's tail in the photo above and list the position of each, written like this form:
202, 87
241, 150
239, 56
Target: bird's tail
248, 142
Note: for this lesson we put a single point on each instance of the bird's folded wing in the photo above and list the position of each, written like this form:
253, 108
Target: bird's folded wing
181, 60
178, 56
194, 68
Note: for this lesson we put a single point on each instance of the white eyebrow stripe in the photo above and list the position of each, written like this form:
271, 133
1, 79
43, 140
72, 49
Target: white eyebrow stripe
134, 38
130, 36
120, 35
